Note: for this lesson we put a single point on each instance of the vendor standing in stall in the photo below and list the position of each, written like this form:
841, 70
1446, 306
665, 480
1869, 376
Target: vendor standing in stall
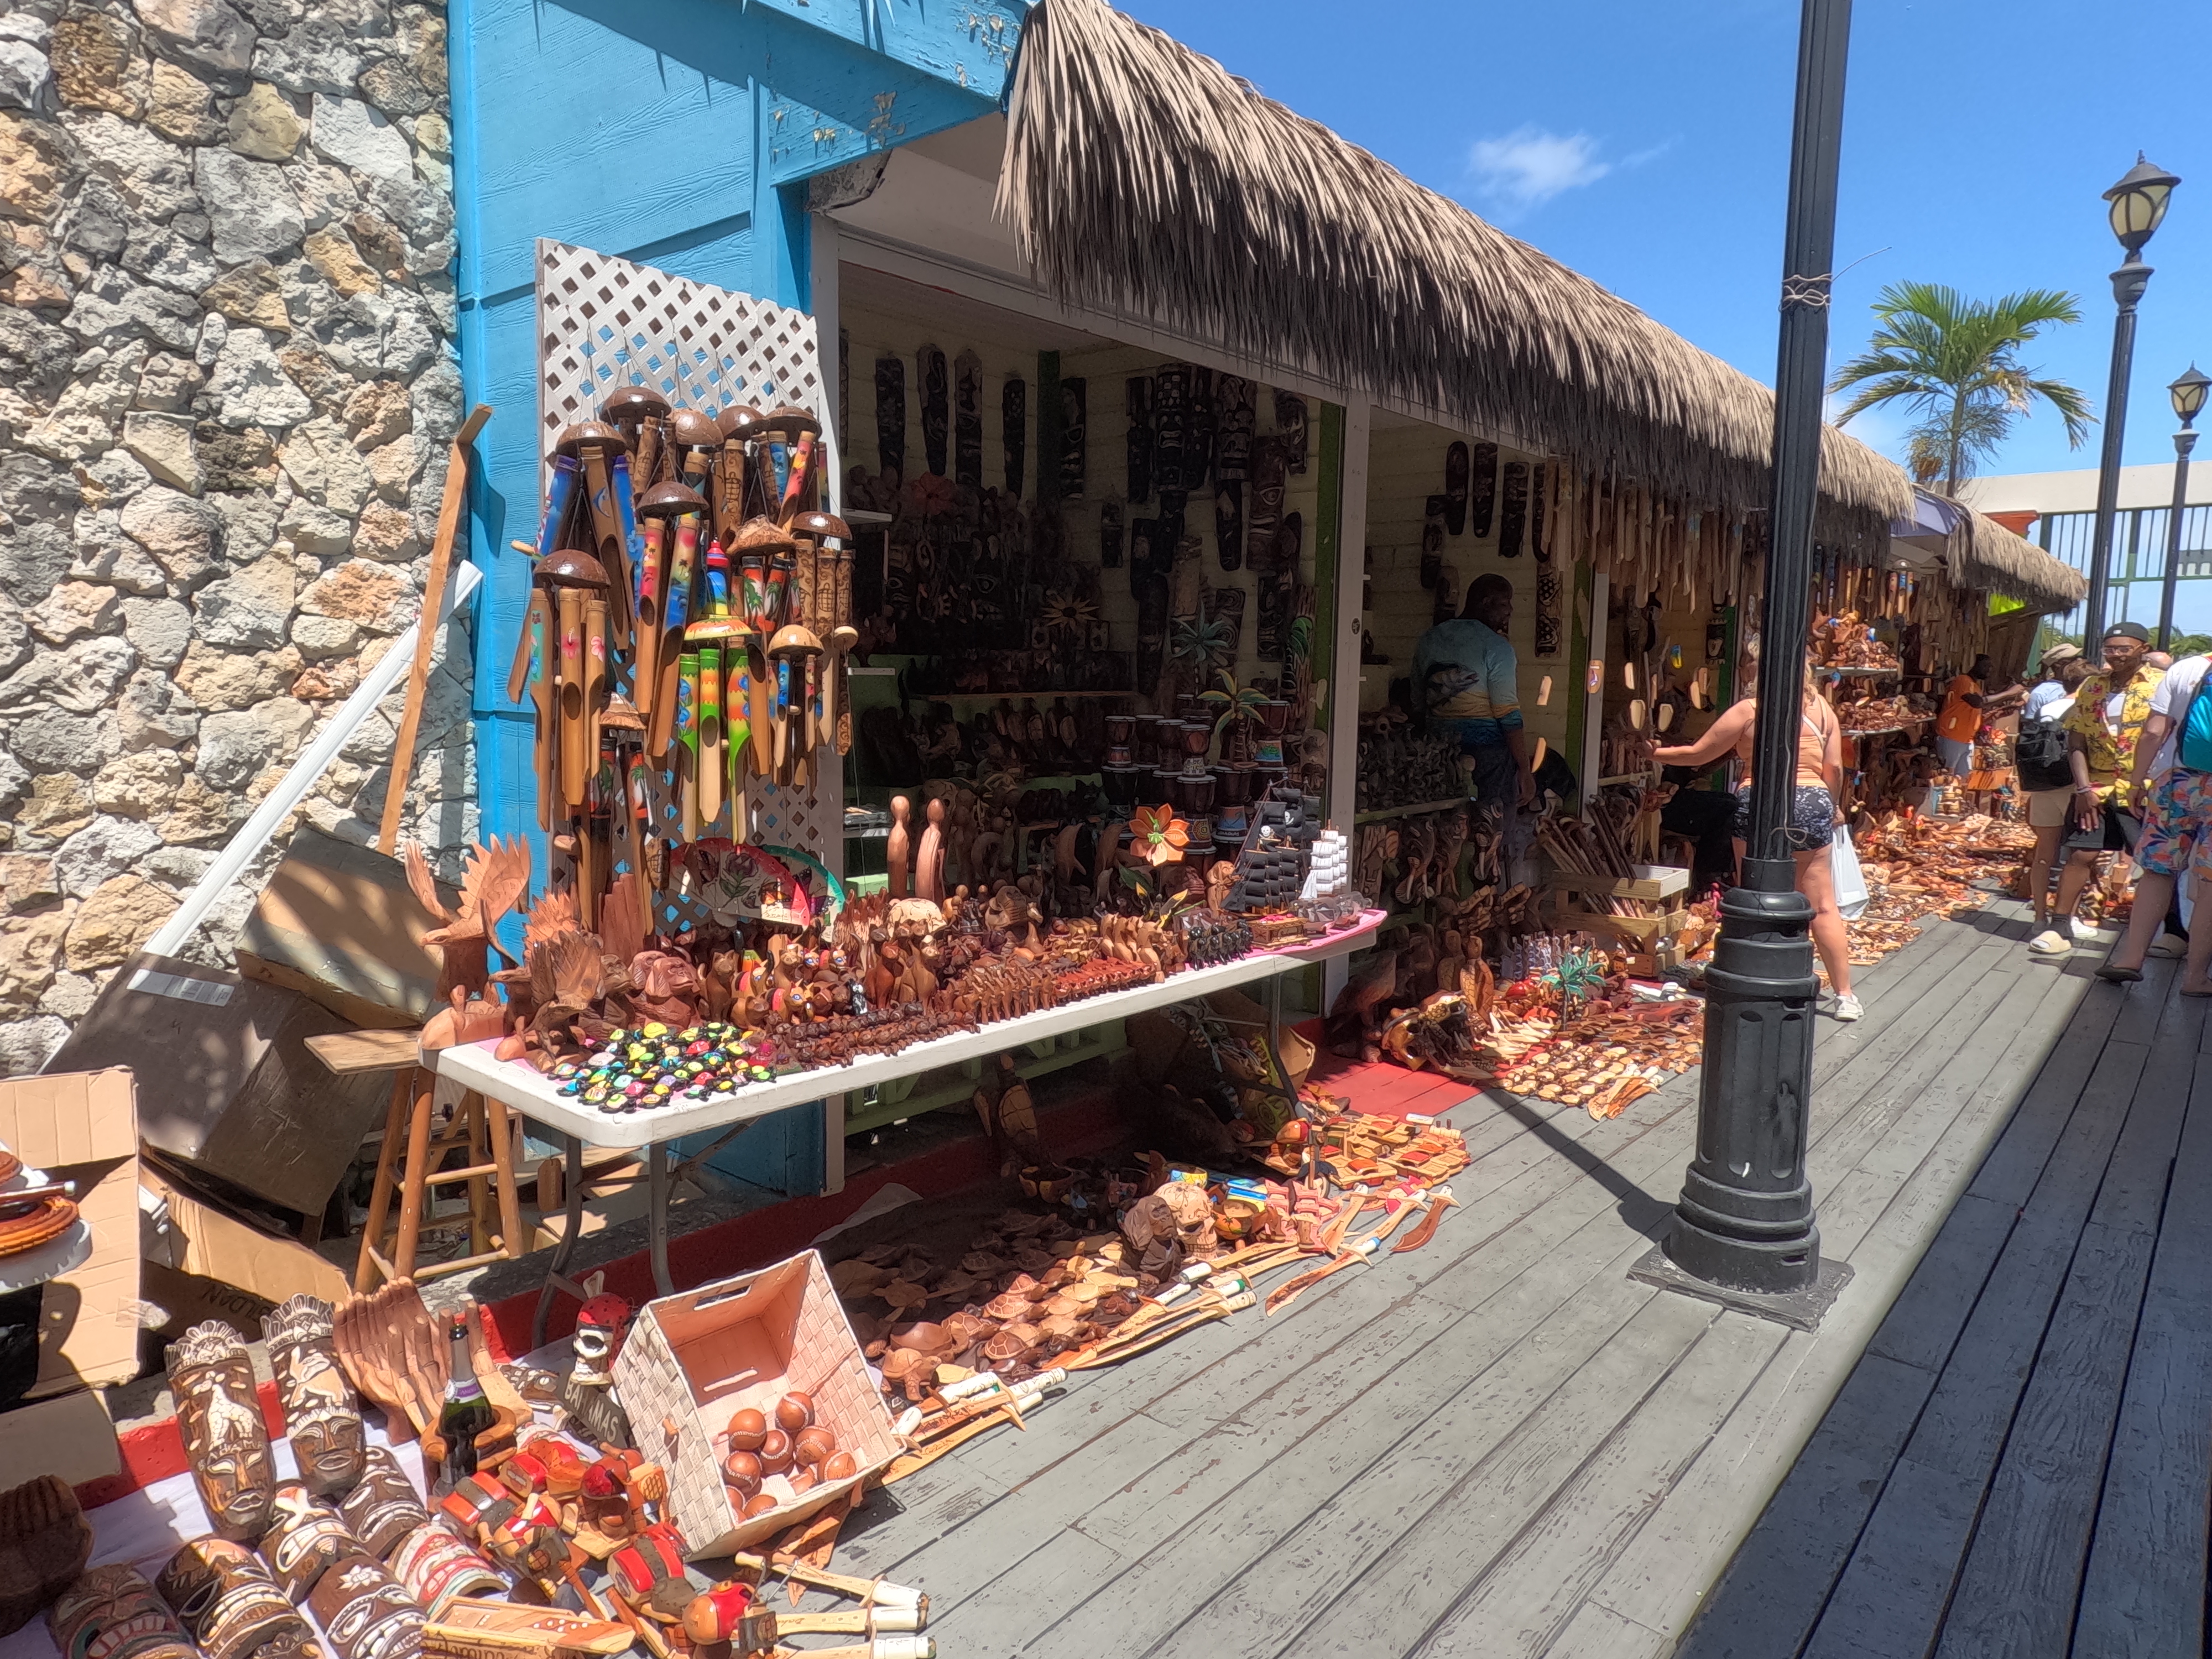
1466, 681
1968, 702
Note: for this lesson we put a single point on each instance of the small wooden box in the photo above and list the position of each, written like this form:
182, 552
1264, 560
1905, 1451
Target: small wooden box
1651, 881
692, 1360
1645, 930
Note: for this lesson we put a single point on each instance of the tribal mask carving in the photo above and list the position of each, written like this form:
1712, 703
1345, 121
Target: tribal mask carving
321, 1417
224, 1435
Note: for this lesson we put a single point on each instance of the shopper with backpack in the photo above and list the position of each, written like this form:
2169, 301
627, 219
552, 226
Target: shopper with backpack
2171, 784
2046, 778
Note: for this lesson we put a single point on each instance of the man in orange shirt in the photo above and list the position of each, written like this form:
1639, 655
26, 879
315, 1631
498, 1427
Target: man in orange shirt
1967, 702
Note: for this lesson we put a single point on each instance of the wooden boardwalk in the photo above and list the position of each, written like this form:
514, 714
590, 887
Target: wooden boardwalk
1503, 1446
2019, 1466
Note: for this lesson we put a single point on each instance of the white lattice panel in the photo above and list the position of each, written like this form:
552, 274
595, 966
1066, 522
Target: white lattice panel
604, 323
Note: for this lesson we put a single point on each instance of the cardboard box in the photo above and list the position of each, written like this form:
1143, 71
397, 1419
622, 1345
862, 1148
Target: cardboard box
338, 924
83, 1126
70, 1434
691, 1360
210, 1245
225, 1082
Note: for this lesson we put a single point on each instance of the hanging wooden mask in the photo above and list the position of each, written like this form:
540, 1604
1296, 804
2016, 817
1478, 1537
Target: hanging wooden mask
1482, 485
1109, 535
1171, 427
1536, 481
1074, 432
1140, 394
1432, 539
936, 407
1264, 510
1198, 460
1014, 432
1513, 520
891, 416
968, 420
1290, 431
1456, 481
1142, 532
1235, 420
1229, 523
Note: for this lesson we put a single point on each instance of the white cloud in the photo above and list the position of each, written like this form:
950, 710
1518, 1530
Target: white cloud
1529, 166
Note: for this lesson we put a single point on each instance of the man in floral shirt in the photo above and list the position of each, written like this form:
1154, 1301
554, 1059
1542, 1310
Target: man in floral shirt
2101, 730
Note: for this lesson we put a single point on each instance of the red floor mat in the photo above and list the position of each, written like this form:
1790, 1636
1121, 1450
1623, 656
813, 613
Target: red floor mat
1385, 1089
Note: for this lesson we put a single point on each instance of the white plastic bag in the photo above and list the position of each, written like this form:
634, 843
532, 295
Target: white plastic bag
1843, 870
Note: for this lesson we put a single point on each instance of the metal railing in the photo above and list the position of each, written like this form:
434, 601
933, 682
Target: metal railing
2138, 564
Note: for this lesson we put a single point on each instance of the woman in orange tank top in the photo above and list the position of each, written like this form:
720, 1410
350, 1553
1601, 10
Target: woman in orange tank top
1813, 816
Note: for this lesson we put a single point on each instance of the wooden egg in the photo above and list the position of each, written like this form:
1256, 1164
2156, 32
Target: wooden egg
741, 1466
794, 1412
811, 1445
747, 1428
759, 1503
840, 1466
775, 1452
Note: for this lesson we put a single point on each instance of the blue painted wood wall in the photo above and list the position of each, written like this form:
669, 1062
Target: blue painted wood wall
680, 133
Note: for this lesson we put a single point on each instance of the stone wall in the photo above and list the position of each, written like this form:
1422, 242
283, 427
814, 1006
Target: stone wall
227, 390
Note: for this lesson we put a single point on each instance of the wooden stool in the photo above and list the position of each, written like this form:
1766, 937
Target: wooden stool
487, 1132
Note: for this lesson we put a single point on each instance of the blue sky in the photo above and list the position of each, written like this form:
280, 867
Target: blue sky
1646, 145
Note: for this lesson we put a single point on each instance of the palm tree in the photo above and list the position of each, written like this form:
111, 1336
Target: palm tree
1954, 363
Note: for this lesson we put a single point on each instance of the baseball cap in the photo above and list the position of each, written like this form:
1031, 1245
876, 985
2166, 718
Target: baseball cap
2129, 630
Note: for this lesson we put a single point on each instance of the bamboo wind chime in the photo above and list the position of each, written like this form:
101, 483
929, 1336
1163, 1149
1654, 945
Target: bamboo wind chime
688, 632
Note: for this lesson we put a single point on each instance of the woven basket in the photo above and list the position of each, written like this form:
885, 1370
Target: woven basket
692, 1360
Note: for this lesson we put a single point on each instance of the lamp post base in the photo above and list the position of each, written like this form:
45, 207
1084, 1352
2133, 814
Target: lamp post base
1745, 1222
1800, 1310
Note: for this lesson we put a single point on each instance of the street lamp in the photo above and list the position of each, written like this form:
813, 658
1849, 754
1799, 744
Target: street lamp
2188, 394
1744, 1231
2138, 205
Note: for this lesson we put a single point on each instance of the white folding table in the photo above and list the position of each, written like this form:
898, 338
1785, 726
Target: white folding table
523, 1088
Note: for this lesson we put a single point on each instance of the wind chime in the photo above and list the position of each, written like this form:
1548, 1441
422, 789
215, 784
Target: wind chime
690, 617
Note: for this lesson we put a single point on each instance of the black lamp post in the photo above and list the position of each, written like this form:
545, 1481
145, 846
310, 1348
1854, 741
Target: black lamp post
2139, 203
2188, 394
1744, 1230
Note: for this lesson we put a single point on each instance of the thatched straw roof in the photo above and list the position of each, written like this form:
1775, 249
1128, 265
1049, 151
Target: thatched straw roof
1142, 177
1985, 555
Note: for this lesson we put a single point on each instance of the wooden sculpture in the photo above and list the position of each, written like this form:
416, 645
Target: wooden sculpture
224, 1435
45, 1542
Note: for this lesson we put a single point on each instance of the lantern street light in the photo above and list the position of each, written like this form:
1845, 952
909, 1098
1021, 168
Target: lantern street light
2138, 206
2188, 394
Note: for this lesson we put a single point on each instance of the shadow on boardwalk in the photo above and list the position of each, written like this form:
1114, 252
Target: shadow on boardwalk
2018, 1465
1502, 1445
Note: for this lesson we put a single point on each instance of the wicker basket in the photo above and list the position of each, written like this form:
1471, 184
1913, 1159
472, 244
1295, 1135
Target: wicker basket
692, 1360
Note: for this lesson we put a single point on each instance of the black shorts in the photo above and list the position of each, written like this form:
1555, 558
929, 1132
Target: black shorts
2117, 833
1811, 824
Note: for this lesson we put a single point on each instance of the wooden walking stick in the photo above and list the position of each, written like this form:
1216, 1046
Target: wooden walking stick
426, 634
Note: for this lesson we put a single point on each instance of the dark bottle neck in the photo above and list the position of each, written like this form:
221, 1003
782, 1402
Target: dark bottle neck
461, 1383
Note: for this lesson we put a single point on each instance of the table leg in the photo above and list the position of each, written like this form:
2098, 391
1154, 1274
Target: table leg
380, 1192
656, 1215
414, 1189
556, 1272
511, 1236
